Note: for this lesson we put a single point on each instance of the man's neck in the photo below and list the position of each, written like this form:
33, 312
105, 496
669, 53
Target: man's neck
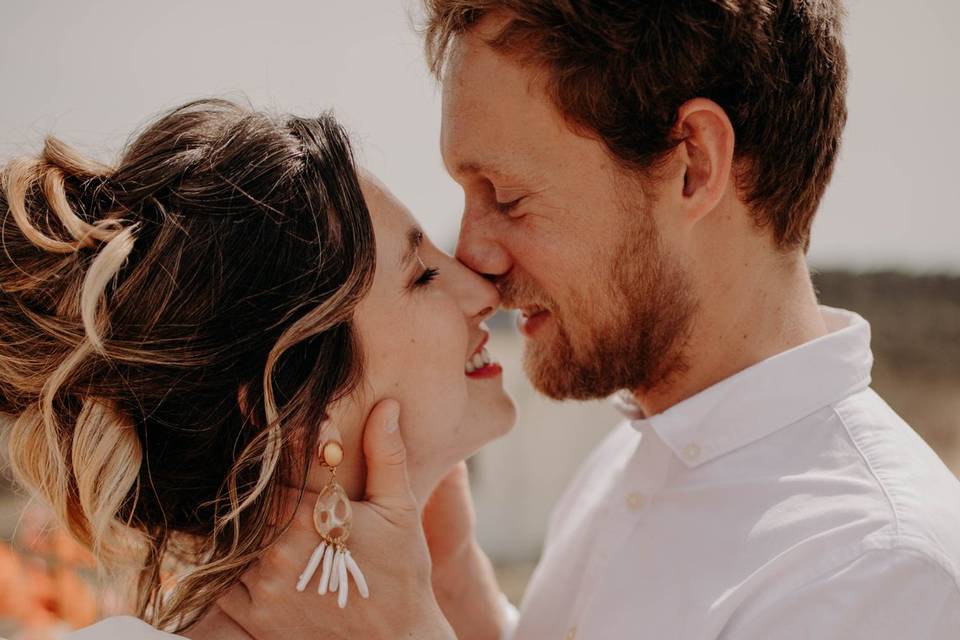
758, 313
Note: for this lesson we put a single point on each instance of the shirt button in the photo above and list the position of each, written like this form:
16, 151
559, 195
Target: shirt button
691, 452
635, 501
571, 633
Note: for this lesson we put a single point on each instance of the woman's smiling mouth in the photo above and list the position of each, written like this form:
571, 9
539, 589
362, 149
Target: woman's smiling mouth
481, 364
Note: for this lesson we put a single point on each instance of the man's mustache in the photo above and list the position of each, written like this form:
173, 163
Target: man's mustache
517, 293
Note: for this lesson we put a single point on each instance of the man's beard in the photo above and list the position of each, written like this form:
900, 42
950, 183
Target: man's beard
625, 330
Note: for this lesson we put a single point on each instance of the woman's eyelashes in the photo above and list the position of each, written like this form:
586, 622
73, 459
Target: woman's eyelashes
429, 275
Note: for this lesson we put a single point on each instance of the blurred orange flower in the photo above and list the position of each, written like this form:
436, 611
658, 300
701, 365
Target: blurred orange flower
48, 583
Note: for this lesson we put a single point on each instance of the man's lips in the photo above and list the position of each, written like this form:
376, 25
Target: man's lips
531, 320
528, 310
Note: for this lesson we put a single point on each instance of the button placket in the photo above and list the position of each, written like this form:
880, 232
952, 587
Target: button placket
635, 501
610, 526
643, 477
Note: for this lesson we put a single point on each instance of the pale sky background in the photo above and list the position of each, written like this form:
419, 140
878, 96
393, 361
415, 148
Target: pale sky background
91, 71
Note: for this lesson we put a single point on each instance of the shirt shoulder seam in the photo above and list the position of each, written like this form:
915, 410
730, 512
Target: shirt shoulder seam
901, 538
894, 511
920, 547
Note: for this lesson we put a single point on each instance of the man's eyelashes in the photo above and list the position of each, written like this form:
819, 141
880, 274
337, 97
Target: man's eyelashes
507, 207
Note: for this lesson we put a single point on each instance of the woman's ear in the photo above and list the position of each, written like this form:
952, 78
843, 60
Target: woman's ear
706, 151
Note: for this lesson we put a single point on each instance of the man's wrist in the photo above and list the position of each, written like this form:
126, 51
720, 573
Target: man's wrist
457, 573
466, 590
438, 628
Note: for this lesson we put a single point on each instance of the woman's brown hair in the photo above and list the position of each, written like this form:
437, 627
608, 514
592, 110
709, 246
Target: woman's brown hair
172, 330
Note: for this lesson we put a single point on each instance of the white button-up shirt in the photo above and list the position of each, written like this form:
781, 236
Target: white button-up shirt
785, 502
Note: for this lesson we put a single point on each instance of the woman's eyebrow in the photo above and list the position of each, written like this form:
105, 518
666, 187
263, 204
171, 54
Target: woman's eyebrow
414, 240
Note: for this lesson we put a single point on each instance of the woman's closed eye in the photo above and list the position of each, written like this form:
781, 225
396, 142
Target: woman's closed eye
429, 275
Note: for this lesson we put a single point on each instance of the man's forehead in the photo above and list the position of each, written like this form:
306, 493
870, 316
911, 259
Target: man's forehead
480, 135
500, 149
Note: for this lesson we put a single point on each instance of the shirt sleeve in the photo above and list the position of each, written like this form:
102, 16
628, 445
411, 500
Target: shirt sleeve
887, 594
510, 616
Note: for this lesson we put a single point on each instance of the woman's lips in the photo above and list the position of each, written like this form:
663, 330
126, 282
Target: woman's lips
483, 343
487, 371
529, 324
481, 363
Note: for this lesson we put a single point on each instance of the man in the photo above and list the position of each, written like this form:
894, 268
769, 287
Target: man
640, 180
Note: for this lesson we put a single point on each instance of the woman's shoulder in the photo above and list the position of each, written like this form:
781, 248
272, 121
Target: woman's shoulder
121, 628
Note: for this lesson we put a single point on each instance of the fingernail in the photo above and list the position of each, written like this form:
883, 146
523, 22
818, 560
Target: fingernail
393, 419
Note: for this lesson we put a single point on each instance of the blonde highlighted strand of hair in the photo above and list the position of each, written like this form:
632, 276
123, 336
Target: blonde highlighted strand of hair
87, 479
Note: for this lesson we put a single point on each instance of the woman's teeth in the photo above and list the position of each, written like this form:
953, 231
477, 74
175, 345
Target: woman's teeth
479, 361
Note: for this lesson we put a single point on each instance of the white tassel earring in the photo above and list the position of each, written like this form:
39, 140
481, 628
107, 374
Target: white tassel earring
333, 517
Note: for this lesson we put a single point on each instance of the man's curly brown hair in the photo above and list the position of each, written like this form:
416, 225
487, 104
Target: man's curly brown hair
620, 70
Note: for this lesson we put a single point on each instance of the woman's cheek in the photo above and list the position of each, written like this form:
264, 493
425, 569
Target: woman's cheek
431, 411
441, 385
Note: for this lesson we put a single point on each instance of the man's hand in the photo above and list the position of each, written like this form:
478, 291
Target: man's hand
388, 543
463, 578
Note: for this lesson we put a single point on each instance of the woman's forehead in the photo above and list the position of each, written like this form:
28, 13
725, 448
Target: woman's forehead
386, 211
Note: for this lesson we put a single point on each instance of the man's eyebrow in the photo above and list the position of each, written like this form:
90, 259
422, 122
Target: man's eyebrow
414, 240
473, 167
482, 168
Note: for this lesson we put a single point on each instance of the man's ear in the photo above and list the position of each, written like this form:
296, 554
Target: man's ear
706, 151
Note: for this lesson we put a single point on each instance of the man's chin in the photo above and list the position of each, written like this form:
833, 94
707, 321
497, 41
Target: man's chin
561, 378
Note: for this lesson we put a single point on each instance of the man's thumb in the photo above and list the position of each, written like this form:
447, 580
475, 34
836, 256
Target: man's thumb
386, 457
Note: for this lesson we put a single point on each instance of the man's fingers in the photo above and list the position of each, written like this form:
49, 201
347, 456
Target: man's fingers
386, 457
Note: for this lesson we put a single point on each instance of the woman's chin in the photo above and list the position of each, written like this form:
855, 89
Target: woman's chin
424, 481
506, 418
489, 421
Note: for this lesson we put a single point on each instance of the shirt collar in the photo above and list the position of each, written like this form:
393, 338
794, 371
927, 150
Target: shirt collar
766, 396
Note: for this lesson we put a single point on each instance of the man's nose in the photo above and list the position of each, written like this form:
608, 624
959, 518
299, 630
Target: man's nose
478, 297
480, 248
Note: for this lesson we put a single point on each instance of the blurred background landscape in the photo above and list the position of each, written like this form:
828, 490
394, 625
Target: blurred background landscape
884, 243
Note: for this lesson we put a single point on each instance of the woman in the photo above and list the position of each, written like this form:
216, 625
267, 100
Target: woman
181, 332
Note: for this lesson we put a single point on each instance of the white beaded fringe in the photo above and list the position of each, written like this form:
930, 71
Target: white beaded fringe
337, 563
